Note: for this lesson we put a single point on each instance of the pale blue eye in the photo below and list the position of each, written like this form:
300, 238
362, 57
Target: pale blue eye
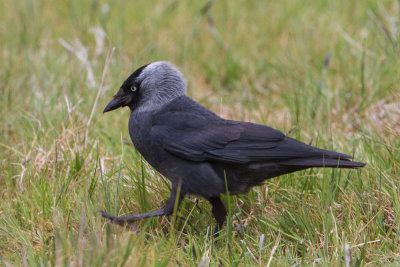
133, 88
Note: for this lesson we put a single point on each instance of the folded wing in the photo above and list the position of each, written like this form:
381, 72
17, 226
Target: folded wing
203, 137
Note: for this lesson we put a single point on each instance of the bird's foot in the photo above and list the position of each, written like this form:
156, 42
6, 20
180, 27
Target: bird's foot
121, 220
217, 231
128, 219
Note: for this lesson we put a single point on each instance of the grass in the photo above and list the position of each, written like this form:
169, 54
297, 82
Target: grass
327, 70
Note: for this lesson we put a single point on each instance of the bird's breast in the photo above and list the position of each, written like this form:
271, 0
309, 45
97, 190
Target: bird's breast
140, 133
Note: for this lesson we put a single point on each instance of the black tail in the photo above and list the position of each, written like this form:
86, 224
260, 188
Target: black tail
323, 162
306, 156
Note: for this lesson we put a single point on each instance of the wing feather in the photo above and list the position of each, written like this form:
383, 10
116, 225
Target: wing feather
194, 133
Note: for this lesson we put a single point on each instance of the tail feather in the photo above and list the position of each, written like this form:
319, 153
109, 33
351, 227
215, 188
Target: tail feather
323, 162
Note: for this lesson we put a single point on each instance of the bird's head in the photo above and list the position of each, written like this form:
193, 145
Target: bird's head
149, 88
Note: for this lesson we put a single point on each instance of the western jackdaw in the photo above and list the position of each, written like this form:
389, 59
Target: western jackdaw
198, 151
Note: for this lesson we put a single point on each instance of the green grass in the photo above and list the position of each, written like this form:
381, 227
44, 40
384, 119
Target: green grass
261, 61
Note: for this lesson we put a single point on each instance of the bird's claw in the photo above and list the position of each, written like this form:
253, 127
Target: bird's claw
106, 214
116, 220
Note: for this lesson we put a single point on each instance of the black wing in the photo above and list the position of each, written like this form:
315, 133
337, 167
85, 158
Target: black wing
223, 141
200, 135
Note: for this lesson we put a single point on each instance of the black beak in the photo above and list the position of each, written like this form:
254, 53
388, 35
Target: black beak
114, 104
118, 101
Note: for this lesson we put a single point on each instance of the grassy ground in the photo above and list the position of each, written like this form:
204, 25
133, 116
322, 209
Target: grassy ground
328, 70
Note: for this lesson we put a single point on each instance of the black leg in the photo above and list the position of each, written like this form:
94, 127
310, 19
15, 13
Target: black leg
219, 212
166, 210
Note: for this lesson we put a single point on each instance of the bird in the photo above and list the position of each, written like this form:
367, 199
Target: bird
201, 153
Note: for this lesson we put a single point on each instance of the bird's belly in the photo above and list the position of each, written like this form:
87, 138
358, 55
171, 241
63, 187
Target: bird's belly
196, 178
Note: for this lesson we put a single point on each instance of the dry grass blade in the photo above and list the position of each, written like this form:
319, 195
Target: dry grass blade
347, 255
99, 91
278, 239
